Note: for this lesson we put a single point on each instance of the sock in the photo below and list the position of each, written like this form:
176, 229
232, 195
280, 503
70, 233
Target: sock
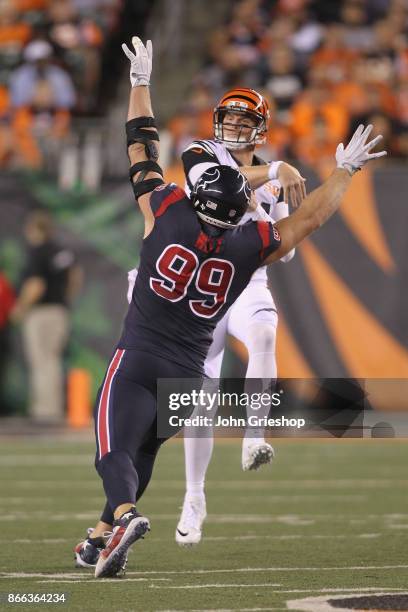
98, 542
261, 372
197, 452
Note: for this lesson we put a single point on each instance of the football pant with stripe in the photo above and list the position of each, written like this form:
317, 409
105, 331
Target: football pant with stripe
126, 424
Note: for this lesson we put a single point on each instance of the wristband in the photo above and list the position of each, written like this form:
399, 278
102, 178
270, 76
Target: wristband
349, 167
273, 170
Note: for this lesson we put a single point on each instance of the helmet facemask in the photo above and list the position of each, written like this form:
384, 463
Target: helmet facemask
247, 105
244, 134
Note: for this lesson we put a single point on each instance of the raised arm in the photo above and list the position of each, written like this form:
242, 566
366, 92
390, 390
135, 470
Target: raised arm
142, 136
292, 182
324, 201
199, 156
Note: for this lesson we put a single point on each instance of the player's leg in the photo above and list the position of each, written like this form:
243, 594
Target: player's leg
87, 551
126, 423
199, 441
198, 448
254, 321
124, 416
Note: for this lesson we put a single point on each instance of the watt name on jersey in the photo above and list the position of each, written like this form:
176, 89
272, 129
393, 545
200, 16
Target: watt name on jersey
212, 152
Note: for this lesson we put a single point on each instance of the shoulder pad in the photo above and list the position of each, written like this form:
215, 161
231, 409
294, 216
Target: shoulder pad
200, 146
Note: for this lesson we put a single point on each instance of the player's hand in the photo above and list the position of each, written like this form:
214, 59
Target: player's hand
140, 61
293, 184
357, 153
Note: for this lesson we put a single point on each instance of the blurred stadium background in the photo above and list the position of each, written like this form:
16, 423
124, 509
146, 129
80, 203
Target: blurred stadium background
324, 68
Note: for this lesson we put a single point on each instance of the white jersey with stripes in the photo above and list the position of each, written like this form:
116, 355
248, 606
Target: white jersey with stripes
266, 196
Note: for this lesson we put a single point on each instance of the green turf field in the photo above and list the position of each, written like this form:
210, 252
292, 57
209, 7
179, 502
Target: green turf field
329, 518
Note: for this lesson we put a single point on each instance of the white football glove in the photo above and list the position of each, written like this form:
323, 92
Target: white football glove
357, 153
140, 61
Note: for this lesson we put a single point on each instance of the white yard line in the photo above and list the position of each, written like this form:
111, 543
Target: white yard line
219, 586
45, 460
24, 575
296, 483
70, 577
358, 483
346, 590
18, 501
393, 521
51, 484
366, 536
345, 536
273, 569
176, 499
253, 586
87, 579
50, 516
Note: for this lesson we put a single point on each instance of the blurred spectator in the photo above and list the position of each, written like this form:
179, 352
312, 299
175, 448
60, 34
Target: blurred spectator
278, 33
14, 34
317, 146
402, 103
234, 48
358, 34
316, 102
50, 67
51, 280
278, 136
39, 71
386, 39
282, 81
333, 51
7, 299
326, 12
307, 36
42, 95
382, 124
229, 69
402, 143
245, 28
6, 135
78, 38
194, 121
376, 100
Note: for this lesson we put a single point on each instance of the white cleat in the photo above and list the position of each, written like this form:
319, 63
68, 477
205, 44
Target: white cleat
188, 531
256, 453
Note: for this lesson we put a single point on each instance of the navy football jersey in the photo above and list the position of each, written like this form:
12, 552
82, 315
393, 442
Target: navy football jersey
188, 278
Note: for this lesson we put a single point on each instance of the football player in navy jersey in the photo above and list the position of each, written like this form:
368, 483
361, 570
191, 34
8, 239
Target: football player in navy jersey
195, 261
241, 121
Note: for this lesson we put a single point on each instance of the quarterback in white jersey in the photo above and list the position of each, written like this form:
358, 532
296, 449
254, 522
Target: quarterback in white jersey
240, 123
255, 305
